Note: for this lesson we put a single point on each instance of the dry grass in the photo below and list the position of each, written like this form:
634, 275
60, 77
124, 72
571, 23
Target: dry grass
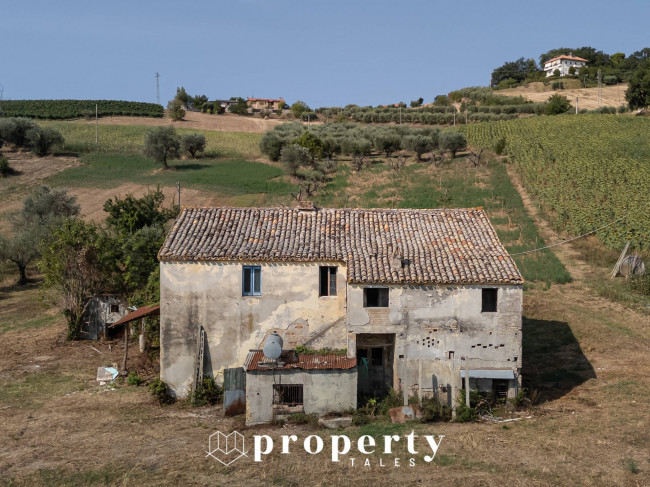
612, 96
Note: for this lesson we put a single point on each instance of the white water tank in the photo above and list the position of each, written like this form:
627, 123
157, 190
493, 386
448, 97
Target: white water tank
273, 347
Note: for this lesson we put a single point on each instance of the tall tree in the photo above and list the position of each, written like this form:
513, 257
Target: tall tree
161, 144
638, 91
517, 70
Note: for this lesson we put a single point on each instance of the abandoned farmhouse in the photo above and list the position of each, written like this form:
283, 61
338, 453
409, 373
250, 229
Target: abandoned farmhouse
364, 301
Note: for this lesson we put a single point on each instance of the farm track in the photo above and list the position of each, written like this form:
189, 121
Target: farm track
569, 257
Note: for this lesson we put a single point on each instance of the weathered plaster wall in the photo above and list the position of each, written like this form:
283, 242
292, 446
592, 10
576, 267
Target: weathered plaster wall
429, 322
210, 295
323, 391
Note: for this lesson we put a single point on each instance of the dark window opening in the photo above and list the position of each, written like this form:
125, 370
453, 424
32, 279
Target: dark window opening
327, 281
451, 355
489, 301
115, 308
377, 356
375, 297
251, 280
287, 394
500, 388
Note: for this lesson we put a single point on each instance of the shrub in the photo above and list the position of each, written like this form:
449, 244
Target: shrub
208, 394
176, 110
500, 146
239, 108
193, 143
298, 108
640, 284
42, 140
433, 411
158, 390
134, 379
557, 104
14, 130
272, 145
631, 465
5, 169
465, 414
302, 418
312, 143
360, 417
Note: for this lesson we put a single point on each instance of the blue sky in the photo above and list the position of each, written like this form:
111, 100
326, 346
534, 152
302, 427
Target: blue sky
326, 53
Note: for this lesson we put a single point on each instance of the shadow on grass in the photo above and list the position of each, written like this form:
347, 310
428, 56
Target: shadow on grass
553, 362
193, 166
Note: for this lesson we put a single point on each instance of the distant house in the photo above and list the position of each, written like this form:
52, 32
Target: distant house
101, 312
416, 300
265, 103
224, 103
563, 64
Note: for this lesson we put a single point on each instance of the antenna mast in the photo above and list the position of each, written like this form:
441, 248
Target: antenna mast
157, 88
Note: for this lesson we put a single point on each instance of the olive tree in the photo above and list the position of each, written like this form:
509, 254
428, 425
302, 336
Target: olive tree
161, 144
453, 142
41, 140
294, 156
193, 144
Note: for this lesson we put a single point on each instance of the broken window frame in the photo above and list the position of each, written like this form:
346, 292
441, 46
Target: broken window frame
327, 281
114, 308
251, 280
381, 300
489, 299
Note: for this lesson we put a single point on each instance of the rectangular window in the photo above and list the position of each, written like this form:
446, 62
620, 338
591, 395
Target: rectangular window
287, 394
251, 280
489, 301
115, 308
327, 281
375, 297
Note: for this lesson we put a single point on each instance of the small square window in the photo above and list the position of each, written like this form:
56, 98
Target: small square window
251, 280
115, 308
327, 281
375, 297
489, 300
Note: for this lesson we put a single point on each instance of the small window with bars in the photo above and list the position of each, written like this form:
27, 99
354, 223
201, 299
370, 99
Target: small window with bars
287, 394
327, 281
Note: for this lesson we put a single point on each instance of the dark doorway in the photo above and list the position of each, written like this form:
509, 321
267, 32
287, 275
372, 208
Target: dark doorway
375, 358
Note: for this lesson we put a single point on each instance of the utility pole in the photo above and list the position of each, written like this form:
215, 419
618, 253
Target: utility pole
157, 88
576, 105
600, 88
178, 185
96, 125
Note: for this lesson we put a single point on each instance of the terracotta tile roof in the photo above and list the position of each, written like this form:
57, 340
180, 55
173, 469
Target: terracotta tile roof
266, 99
378, 246
304, 362
570, 58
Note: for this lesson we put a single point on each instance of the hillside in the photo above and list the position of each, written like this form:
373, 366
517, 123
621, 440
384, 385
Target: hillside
612, 96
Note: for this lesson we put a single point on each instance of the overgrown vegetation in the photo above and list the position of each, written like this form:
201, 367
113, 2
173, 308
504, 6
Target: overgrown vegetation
22, 132
158, 389
208, 393
305, 350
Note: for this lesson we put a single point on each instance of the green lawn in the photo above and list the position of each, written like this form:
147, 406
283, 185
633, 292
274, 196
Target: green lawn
232, 177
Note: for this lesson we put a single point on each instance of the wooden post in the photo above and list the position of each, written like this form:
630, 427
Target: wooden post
126, 347
466, 384
142, 335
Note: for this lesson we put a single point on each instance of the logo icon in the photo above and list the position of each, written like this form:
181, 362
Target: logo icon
226, 448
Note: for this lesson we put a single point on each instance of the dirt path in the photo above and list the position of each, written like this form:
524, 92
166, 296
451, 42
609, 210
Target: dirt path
567, 255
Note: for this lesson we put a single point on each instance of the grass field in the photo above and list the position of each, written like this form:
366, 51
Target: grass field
80, 138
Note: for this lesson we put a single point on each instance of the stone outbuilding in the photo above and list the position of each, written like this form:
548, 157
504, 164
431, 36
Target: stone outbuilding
407, 299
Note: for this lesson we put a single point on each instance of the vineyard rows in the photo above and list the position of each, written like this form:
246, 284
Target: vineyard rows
67, 109
586, 170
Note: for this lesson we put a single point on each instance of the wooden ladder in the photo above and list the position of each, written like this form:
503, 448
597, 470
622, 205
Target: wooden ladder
198, 368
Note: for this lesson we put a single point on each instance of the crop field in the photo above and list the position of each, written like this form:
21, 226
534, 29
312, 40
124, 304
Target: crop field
586, 170
66, 109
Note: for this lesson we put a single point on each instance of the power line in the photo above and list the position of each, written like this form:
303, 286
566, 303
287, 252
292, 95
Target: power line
571, 239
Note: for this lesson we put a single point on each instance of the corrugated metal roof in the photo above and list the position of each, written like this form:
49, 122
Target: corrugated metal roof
304, 362
138, 313
489, 374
